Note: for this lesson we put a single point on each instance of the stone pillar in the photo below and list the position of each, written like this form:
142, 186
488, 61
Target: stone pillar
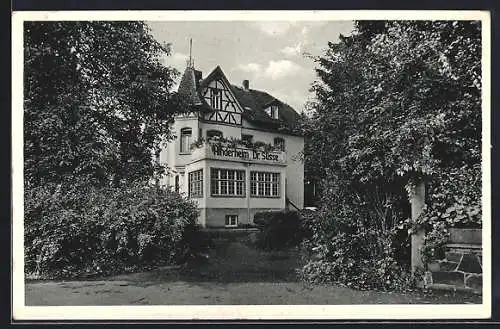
417, 199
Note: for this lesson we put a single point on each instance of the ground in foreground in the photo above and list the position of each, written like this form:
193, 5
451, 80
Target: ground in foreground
235, 273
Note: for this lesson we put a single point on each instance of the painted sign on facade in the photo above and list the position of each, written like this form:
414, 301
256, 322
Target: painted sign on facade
222, 152
245, 154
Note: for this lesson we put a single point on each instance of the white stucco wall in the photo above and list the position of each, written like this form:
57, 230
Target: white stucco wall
295, 169
292, 174
294, 145
170, 154
227, 130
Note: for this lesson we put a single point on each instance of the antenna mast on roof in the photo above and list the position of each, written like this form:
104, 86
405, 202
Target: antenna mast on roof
190, 62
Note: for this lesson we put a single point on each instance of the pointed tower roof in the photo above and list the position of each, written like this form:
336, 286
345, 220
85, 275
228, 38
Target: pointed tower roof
188, 87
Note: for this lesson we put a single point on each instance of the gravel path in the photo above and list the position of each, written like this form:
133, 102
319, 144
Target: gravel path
234, 274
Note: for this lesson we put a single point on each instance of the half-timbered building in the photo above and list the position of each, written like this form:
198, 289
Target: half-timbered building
236, 152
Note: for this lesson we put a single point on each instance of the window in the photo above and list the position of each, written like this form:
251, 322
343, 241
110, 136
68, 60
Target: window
216, 98
227, 182
264, 184
247, 139
231, 220
185, 140
272, 111
214, 133
279, 143
196, 184
177, 183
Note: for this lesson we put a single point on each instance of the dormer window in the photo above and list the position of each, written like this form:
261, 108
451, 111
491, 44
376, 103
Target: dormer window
272, 111
216, 98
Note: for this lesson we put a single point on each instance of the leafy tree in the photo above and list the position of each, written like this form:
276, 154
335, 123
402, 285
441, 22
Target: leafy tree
384, 97
97, 101
397, 102
97, 107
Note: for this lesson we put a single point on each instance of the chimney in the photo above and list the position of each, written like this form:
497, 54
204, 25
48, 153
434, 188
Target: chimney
246, 85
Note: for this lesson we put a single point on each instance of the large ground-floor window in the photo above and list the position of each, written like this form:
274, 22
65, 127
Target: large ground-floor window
264, 184
196, 184
227, 182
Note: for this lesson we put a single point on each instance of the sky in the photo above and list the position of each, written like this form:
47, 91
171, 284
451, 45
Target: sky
270, 54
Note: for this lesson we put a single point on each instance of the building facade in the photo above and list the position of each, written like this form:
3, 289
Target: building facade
236, 150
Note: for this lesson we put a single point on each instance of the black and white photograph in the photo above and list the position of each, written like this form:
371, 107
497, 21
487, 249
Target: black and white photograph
251, 165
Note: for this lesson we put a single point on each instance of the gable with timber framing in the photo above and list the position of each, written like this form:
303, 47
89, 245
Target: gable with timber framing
217, 93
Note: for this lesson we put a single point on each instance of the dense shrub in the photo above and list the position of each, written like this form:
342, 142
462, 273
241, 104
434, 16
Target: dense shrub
352, 244
279, 229
358, 257
308, 218
81, 231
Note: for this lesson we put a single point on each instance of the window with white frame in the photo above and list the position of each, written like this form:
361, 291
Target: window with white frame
231, 220
186, 134
272, 111
216, 98
264, 184
227, 182
279, 143
196, 184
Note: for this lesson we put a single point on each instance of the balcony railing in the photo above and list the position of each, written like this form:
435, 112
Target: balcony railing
220, 151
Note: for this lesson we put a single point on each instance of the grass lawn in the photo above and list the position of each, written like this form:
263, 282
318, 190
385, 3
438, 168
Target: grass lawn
235, 273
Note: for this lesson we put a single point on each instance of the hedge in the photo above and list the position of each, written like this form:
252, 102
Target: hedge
279, 229
86, 231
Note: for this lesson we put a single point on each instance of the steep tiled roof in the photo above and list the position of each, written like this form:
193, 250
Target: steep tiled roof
255, 101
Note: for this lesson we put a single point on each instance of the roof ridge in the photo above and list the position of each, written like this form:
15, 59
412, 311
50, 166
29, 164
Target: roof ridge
268, 94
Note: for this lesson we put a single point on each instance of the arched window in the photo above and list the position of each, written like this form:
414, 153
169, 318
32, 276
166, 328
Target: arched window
279, 143
214, 133
186, 134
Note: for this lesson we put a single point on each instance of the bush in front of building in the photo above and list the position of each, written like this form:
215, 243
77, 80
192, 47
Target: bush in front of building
347, 247
82, 231
279, 229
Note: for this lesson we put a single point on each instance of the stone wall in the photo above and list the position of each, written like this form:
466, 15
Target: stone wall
461, 268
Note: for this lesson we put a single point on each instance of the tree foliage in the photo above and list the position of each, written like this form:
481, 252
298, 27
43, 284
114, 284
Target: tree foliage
97, 101
97, 107
400, 103
397, 102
